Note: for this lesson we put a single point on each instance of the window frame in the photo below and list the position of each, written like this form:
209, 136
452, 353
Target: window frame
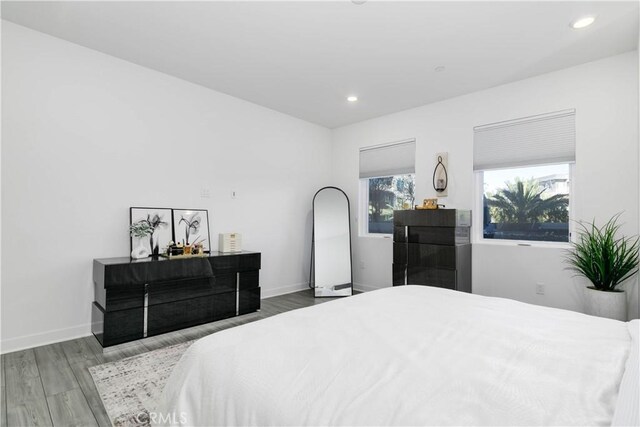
477, 220
363, 208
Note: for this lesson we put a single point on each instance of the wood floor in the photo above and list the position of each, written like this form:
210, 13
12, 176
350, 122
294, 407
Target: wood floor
51, 385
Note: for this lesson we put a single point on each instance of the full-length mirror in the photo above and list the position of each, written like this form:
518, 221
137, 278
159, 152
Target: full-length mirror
331, 248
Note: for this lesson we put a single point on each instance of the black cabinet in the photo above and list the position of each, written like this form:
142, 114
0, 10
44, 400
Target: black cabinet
432, 248
135, 299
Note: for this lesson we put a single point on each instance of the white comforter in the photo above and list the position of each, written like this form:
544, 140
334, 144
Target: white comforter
410, 355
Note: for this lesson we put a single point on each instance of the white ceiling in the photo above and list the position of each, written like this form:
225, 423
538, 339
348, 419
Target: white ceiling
304, 58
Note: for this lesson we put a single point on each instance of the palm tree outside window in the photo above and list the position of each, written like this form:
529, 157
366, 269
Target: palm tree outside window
528, 203
386, 194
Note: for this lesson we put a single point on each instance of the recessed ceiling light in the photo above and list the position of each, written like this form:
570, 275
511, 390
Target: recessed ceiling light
358, 1
439, 68
352, 98
583, 22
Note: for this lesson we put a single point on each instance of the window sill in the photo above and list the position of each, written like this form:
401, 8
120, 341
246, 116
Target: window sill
523, 243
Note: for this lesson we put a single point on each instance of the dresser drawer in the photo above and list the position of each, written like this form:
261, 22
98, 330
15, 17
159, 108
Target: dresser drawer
436, 256
249, 279
441, 278
399, 271
179, 314
177, 290
116, 327
120, 298
400, 253
227, 282
148, 270
224, 305
240, 262
400, 234
439, 235
432, 218
249, 301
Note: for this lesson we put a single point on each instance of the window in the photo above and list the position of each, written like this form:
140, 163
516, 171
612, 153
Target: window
524, 167
386, 194
387, 183
528, 203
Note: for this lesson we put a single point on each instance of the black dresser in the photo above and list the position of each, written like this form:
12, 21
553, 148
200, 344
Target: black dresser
135, 299
432, 248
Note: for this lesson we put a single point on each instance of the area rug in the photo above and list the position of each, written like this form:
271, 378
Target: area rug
130, 387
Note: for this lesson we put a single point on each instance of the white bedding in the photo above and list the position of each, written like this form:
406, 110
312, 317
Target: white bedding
411, 355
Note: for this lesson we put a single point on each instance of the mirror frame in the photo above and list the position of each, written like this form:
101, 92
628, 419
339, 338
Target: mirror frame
313, 232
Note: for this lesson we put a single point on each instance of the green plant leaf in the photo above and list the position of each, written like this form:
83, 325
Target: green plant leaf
602, 257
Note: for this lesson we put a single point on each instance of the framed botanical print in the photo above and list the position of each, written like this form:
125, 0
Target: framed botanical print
153, 228
191, 226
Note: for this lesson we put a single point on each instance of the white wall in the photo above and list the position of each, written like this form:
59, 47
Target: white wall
86, 136
604, 94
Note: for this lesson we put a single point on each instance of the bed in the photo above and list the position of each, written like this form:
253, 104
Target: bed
411, 355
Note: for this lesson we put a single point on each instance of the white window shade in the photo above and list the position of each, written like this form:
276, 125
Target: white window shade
543, 139
398, 158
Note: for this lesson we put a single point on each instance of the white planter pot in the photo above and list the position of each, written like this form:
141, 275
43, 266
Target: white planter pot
612, 305
139, 252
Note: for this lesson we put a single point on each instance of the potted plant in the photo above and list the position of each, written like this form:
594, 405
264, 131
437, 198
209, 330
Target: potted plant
607, 261
146, 228
140, 229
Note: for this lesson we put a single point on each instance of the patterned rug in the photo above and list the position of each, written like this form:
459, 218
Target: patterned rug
129, 387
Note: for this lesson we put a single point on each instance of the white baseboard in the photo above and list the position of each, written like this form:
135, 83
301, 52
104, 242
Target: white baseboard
268, 293
35, 340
